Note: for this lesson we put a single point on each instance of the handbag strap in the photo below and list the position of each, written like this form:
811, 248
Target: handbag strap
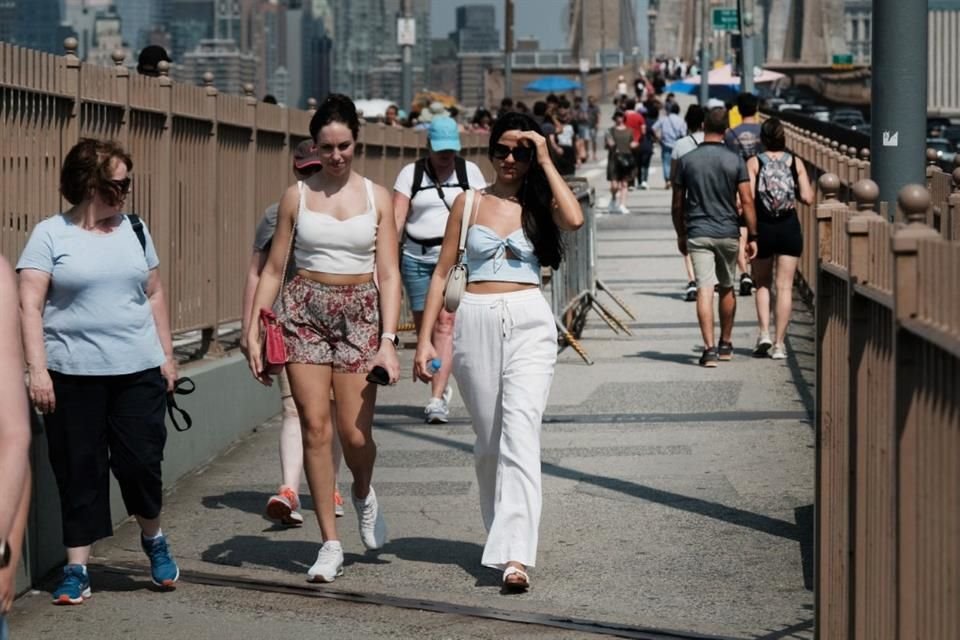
293, 235
468, 206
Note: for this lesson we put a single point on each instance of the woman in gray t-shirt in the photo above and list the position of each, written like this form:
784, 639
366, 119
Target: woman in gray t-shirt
96, 336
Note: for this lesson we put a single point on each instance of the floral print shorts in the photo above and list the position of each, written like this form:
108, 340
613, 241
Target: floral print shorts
337, 325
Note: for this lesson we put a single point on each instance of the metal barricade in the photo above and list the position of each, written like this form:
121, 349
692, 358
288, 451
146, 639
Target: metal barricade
574, 284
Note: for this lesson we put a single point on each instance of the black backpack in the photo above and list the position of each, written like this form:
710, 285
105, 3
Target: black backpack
422, 166
137, 225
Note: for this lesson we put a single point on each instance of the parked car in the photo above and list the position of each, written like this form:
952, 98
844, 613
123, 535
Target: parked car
790, 106
946, 153
817, 112
937, 126
849, 118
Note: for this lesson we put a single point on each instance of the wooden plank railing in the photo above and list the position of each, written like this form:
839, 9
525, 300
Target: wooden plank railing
205, 165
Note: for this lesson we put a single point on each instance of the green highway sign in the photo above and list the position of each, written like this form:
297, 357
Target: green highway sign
843, 59
726, 20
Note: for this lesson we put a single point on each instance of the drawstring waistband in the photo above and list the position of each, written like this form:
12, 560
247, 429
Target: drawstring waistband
502, 302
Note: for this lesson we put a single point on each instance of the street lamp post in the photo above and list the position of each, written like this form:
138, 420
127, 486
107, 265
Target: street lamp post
508, 49
406, 44
746, 45
704, 52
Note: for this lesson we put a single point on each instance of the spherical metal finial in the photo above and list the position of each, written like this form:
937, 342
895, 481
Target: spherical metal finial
70, 46
932, 156
163, 68
866, 193
956, 179
312, 104
865, 153
829, 185
834, 145
118, 56
852, 152
843, 149
914, 201
207, 79
248, 89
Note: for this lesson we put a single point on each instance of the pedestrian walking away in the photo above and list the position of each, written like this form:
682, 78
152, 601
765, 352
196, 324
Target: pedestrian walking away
100, 379
744, 139
505, 337
423, 194
669, 128
338, 325
707, 183
779, 179
621, 162
284, 507
14, 444
686, 144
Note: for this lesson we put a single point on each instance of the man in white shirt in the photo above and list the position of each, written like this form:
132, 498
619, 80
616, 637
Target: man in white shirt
422, 197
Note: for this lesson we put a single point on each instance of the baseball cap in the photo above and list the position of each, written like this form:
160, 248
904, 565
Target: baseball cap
714, 103
150, 57
444, 134
305, 155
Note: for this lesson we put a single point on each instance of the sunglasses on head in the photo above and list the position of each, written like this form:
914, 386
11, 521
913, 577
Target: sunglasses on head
122, 186
520, 153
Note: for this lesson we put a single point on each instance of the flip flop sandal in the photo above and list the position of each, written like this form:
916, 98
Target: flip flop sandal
519, 584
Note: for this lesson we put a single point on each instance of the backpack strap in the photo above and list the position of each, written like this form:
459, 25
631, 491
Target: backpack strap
419, 168
461, 170
137, 225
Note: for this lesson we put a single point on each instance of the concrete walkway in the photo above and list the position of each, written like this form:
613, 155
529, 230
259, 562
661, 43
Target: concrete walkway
676, 497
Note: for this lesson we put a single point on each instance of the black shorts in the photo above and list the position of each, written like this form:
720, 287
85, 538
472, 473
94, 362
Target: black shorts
104, 423
779, 236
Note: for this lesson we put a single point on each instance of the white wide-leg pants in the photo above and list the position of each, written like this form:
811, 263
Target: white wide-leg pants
504, 352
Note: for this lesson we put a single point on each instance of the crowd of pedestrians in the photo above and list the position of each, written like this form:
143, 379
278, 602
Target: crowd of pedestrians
329, 263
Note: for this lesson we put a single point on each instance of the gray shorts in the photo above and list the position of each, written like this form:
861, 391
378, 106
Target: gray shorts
714, 261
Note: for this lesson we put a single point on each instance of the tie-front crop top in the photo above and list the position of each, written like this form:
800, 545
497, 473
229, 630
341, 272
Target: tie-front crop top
492, 258
327, 244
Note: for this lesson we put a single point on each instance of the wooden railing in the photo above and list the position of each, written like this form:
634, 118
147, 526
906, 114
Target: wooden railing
205, 165
888, 399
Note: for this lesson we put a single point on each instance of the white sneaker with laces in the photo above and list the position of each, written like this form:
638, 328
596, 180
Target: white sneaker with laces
764, 343
373, 530
329, 564
437, 411
624, 210
779, 352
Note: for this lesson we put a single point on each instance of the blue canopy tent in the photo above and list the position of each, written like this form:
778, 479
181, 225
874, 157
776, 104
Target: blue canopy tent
552, 84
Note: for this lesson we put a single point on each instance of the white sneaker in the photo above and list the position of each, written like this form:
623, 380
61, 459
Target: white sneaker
373, 530
779, 352
437, 411
612, 207
329, 564
764, 343
624, 210
644, 185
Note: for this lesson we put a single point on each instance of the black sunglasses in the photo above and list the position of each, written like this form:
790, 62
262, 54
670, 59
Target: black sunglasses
182, 387
122, 186
520, 153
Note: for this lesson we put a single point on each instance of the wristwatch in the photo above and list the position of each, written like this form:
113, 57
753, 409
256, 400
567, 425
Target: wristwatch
4, 554
392, 337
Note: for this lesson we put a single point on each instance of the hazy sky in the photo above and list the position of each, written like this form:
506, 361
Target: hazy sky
541, 18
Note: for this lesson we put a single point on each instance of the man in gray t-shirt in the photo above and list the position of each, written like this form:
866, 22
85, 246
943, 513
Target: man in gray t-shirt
706, 185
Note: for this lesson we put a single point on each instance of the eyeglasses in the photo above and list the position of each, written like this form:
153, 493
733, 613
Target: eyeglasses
520, 153
122, 186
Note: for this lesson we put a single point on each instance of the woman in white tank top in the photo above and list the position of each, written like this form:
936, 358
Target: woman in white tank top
337, 324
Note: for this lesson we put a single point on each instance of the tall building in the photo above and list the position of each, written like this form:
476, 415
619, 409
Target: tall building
316, 55
8, 20
858, 30
476, 28
138, 18
34, 24
231, 68
471, 74
443, 67
189, 22
601, 25
365, 38
107, 38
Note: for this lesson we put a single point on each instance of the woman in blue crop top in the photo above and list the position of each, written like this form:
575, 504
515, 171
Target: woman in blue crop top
505, 337
337, 323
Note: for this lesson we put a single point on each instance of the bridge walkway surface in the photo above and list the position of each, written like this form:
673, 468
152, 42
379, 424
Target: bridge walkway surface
675, 498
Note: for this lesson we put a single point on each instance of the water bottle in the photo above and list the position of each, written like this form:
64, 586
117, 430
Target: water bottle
434, 365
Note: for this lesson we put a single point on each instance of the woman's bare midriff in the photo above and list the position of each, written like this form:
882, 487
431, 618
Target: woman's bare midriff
499, 287
335, 278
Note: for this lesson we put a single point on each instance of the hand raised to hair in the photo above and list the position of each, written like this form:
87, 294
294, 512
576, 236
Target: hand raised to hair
540, 144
